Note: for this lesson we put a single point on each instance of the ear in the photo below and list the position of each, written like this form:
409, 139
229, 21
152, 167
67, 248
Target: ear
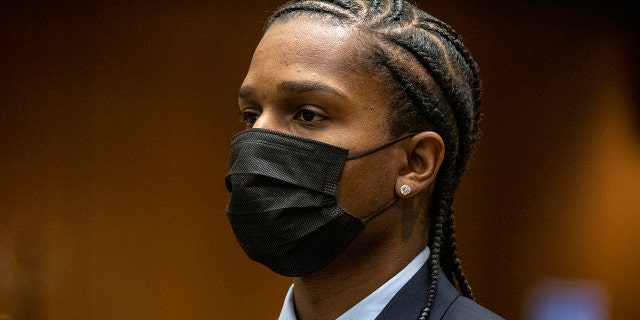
425, 152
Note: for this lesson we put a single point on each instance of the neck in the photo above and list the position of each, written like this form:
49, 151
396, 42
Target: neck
366, 264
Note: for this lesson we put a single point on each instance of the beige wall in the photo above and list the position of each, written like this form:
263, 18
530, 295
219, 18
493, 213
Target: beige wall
114, 130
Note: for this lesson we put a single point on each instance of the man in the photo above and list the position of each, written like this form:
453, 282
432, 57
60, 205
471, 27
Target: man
361, 117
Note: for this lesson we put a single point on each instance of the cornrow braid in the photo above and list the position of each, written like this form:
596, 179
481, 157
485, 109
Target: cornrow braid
435, 86
313, 7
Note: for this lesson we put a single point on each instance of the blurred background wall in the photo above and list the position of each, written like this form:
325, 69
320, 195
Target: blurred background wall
115, 120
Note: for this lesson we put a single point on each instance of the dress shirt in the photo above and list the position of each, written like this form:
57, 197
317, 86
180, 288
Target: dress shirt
372, 305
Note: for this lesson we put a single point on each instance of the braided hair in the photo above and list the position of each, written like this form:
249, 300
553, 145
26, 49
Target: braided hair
434, 85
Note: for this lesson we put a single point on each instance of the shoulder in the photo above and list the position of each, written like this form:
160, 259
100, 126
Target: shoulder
464, 308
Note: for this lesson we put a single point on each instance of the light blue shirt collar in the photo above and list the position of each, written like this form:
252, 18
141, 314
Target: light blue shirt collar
372, 305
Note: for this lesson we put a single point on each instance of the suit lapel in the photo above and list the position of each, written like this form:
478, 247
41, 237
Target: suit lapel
410, 300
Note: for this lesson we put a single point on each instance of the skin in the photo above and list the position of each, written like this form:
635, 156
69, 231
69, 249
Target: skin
304, 80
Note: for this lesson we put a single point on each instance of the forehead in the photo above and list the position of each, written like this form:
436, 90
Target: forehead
299, 29
310, 45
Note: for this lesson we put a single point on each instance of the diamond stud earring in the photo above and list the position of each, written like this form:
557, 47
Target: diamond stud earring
405, 189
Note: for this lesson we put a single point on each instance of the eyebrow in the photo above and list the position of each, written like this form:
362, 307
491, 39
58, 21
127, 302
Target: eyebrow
296, 87
246, 92
309, 85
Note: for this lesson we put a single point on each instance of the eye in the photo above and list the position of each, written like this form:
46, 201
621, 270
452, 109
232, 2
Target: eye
249, 117
308, 115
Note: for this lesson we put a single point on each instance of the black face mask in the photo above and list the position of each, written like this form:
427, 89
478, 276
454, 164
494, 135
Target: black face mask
283, 206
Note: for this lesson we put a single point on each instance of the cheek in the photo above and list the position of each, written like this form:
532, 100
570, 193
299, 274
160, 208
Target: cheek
366, 185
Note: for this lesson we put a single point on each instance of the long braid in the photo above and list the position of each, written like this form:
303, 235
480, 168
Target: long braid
454, 262
435, 244
451, 262
455, 267
437, 88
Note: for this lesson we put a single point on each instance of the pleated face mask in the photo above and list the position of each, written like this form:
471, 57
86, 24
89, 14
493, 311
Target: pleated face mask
283, 207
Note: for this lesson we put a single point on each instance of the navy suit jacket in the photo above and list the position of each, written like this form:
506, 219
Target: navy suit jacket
408, 303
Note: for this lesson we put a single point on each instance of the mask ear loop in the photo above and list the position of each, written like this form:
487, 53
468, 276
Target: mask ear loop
378, 148
382, 209
373, 150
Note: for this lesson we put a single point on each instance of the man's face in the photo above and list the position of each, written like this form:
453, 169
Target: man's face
305, 80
